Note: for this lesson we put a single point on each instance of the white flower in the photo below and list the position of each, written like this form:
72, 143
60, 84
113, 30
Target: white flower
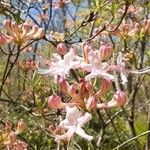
96, 67
73, 123
61, 66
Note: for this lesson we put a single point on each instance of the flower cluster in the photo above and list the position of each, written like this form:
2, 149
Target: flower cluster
9, 136
19, 34
82, 94
27, 65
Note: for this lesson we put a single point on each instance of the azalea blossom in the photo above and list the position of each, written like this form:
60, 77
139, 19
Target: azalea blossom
96, 67
21, 33
74, 122
61, 66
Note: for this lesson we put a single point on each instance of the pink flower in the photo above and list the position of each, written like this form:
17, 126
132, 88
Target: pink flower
21, 127
119, 99
74, 122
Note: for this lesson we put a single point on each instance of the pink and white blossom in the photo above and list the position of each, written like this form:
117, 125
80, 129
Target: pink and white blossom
74, 122
96, 67
119, 99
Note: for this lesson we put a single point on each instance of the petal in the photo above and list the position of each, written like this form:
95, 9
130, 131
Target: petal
69, 57
67, 135
86, 67
43, 71
123, 76
84, 119
90, 76
106, 76
72, 113
74, 65
119, 58
82, 133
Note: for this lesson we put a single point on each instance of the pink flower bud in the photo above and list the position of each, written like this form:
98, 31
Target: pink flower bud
119, 99
63, 85
8, 127
4, 39
16, 30
75, 93
86, 49
105, 51
86, 88
21, 127
91, 103
55, 102
62, 49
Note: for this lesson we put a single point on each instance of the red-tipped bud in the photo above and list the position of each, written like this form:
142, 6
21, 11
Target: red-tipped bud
6, 24
91, 103
26, 26
8, 127
63, 85
86, 88
105, 51
86, 49
55, 102
21, 127
4, 39
73, 89
120, 97
62, 49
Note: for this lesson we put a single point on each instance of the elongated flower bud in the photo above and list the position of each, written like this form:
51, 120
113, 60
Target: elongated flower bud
91, 103
86, 49
105, 51
4, 39
55, 102
21, 127
61, 49
63, 85
86, 89
8, 127
119, 99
